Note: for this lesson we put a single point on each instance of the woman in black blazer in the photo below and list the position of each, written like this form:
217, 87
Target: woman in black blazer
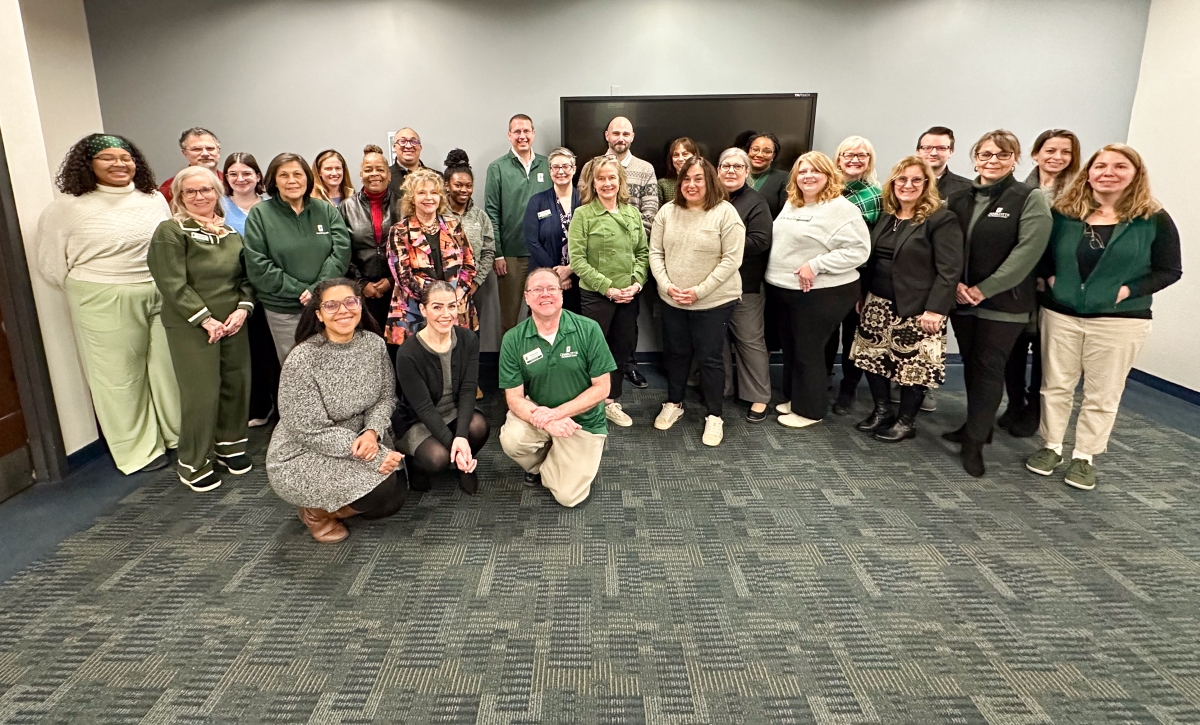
908, 286
546, 221
436, 423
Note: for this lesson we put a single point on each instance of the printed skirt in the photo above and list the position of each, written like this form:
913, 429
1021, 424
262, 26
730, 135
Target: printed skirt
896, 347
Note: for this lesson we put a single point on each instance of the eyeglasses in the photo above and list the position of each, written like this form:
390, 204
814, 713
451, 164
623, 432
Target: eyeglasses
539, 291
331, 306
561, 167
855, 156
202, 191
939, 149
203, 149
999, 155
109, 159
732, 167
916, 182
240, 174
408, 142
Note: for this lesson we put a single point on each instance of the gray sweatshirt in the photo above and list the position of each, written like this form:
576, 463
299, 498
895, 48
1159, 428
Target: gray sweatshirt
830, 236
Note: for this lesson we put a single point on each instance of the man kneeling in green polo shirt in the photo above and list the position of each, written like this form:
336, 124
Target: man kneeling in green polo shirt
554, 369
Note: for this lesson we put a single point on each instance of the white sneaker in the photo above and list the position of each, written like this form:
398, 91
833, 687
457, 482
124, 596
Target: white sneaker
613, 412
784, 408
793, 420
668, 415
714, 431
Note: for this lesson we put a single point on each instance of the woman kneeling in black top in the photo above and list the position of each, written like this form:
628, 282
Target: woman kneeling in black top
436, 423
909, 285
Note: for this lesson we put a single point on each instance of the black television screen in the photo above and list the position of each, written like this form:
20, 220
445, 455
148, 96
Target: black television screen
714, 122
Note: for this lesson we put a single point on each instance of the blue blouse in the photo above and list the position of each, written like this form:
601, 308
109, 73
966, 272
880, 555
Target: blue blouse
234, 216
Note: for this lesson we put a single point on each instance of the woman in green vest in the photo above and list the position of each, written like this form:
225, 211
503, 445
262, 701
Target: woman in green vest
1112, 247
196, 261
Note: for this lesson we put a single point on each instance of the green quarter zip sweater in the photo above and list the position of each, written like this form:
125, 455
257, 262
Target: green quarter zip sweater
198, 273
506, 195
288, 253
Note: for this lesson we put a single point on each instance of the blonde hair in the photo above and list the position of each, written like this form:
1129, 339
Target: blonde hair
178, 211
587, 177
927, 203
413, 182
1078, 201
850, 142
1004, 140
319, 190
824, 164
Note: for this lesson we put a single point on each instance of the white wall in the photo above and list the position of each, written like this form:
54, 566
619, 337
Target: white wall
270, 76
1164, 120
49, 100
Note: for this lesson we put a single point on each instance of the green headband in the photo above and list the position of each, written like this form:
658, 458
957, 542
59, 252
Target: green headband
99, 142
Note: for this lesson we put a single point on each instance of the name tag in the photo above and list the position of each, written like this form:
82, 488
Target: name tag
533, 356
541, 177
543, 214
568, 352
200, 236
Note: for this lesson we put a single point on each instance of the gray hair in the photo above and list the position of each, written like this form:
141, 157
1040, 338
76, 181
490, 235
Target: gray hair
562, 151
734, 152
178, 211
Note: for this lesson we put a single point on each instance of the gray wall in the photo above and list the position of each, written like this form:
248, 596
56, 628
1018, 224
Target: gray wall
270, 76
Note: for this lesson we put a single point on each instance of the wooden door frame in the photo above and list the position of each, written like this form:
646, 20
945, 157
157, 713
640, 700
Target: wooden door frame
46, 448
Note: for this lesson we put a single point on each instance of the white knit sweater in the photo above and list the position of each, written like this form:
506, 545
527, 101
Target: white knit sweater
831, 237
102, 236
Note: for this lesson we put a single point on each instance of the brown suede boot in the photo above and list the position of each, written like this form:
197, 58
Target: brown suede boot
323, 526
345, 512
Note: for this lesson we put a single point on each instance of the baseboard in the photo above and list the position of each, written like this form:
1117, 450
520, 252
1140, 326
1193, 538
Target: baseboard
80, 458
1165, 386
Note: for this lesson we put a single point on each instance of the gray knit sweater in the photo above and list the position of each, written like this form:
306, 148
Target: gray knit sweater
701, 249
831, 237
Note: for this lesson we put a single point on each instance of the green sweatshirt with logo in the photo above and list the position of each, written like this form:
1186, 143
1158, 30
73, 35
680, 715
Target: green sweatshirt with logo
287, 253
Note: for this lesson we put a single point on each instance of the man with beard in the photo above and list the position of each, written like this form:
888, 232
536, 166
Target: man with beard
406, 145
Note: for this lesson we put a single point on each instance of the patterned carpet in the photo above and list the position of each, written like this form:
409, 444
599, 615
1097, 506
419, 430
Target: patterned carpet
787, 577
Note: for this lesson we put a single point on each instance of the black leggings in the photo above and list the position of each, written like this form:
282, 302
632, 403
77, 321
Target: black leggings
985, 346
432, 457
383, 500
910, 395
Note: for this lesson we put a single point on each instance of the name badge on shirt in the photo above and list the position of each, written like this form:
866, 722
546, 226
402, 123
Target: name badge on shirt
533, 356
541, 177
543, 214
202, 237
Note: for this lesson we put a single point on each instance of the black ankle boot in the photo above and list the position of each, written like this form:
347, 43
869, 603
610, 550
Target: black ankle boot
419, 480
880, 415
469, 483
904, 428
1010, 416
972, 458
958, 435
1026, 423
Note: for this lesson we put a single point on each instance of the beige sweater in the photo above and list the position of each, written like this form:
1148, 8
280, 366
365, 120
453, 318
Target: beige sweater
690, 248
102, 236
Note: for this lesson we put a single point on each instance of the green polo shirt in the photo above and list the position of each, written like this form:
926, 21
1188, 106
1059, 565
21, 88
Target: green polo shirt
555, 374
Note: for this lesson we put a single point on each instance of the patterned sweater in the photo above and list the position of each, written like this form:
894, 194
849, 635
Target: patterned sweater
643, 189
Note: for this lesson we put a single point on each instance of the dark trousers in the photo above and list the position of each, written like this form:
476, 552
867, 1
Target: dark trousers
698, 334
649, 293
806, 320
911, 396
1020, 396
618, 322
264, 364
985, 346
383, 500
571, 297
851, 375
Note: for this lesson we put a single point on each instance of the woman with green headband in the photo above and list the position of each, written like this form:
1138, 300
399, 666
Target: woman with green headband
92, 243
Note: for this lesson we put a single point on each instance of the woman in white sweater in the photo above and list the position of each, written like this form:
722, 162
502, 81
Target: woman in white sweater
92, 243
818, 241
696, 247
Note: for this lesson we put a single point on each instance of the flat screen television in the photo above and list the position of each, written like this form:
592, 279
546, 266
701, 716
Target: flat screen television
714, 122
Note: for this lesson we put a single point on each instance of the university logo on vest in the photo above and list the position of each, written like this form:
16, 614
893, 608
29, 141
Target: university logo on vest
1000, 213
569, 353
321, 229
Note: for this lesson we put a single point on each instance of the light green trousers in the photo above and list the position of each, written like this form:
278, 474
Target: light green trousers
128, 366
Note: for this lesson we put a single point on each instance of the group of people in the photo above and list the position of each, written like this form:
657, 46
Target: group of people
202, 304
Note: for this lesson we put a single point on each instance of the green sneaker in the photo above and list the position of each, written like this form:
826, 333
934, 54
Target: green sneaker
1081, 475
1043, 462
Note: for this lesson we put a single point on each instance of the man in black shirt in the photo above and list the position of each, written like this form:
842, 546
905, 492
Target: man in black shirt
406, 145
937, 146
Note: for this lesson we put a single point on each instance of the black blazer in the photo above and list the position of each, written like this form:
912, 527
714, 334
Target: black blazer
419, 374
543, 232
926, 265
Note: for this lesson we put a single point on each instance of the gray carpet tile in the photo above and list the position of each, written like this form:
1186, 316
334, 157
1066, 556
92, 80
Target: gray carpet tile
809, 576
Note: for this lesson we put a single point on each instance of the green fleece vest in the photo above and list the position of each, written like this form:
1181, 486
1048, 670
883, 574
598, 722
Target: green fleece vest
1125, 259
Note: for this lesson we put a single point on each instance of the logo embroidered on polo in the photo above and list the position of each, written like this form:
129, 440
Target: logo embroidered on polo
1000, 213
321, 229
568, 353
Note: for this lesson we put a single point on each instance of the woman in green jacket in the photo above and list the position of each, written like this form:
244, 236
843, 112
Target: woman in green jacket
1112, 247
293, 243
196, 261
607, 246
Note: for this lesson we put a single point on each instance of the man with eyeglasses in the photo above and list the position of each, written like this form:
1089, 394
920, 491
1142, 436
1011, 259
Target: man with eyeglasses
406, 147
554, 370
201, 148
937, 146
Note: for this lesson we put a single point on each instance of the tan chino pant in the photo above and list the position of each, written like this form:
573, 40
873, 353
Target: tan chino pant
568, 465
1102, 350
512, 292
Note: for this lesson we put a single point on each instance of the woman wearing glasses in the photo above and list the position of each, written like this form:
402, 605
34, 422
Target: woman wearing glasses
763, 150
196, 260
1006, 225
329, 454
547, 220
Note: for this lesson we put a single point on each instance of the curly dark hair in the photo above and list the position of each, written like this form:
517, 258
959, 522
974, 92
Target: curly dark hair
75, 175
457, 163
309, 325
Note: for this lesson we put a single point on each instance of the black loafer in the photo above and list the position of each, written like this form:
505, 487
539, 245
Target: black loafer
756, 416
533, 479
635, 378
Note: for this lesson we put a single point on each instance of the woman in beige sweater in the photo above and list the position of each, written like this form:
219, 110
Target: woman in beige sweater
696, 249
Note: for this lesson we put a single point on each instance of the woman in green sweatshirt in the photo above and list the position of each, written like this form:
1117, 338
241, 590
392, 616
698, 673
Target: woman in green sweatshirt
293, 242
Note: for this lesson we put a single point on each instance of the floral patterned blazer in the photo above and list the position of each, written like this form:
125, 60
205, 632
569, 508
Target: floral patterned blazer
414, 266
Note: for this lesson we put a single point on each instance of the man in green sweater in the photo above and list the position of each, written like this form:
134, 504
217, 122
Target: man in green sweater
511, 180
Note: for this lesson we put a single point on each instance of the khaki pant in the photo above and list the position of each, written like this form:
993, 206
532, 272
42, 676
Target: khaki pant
128, 366
1102, 350
512, 292
283, 331
567, 465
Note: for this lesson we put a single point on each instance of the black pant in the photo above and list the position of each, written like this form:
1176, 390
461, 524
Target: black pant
698, 334
851, 375
985, 346
383, 500
806, 320
1014, 372
618, 322
571, 301
264, 364
649, 293
911, 396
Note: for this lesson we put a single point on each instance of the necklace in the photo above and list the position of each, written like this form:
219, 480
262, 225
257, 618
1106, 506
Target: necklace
430, 228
